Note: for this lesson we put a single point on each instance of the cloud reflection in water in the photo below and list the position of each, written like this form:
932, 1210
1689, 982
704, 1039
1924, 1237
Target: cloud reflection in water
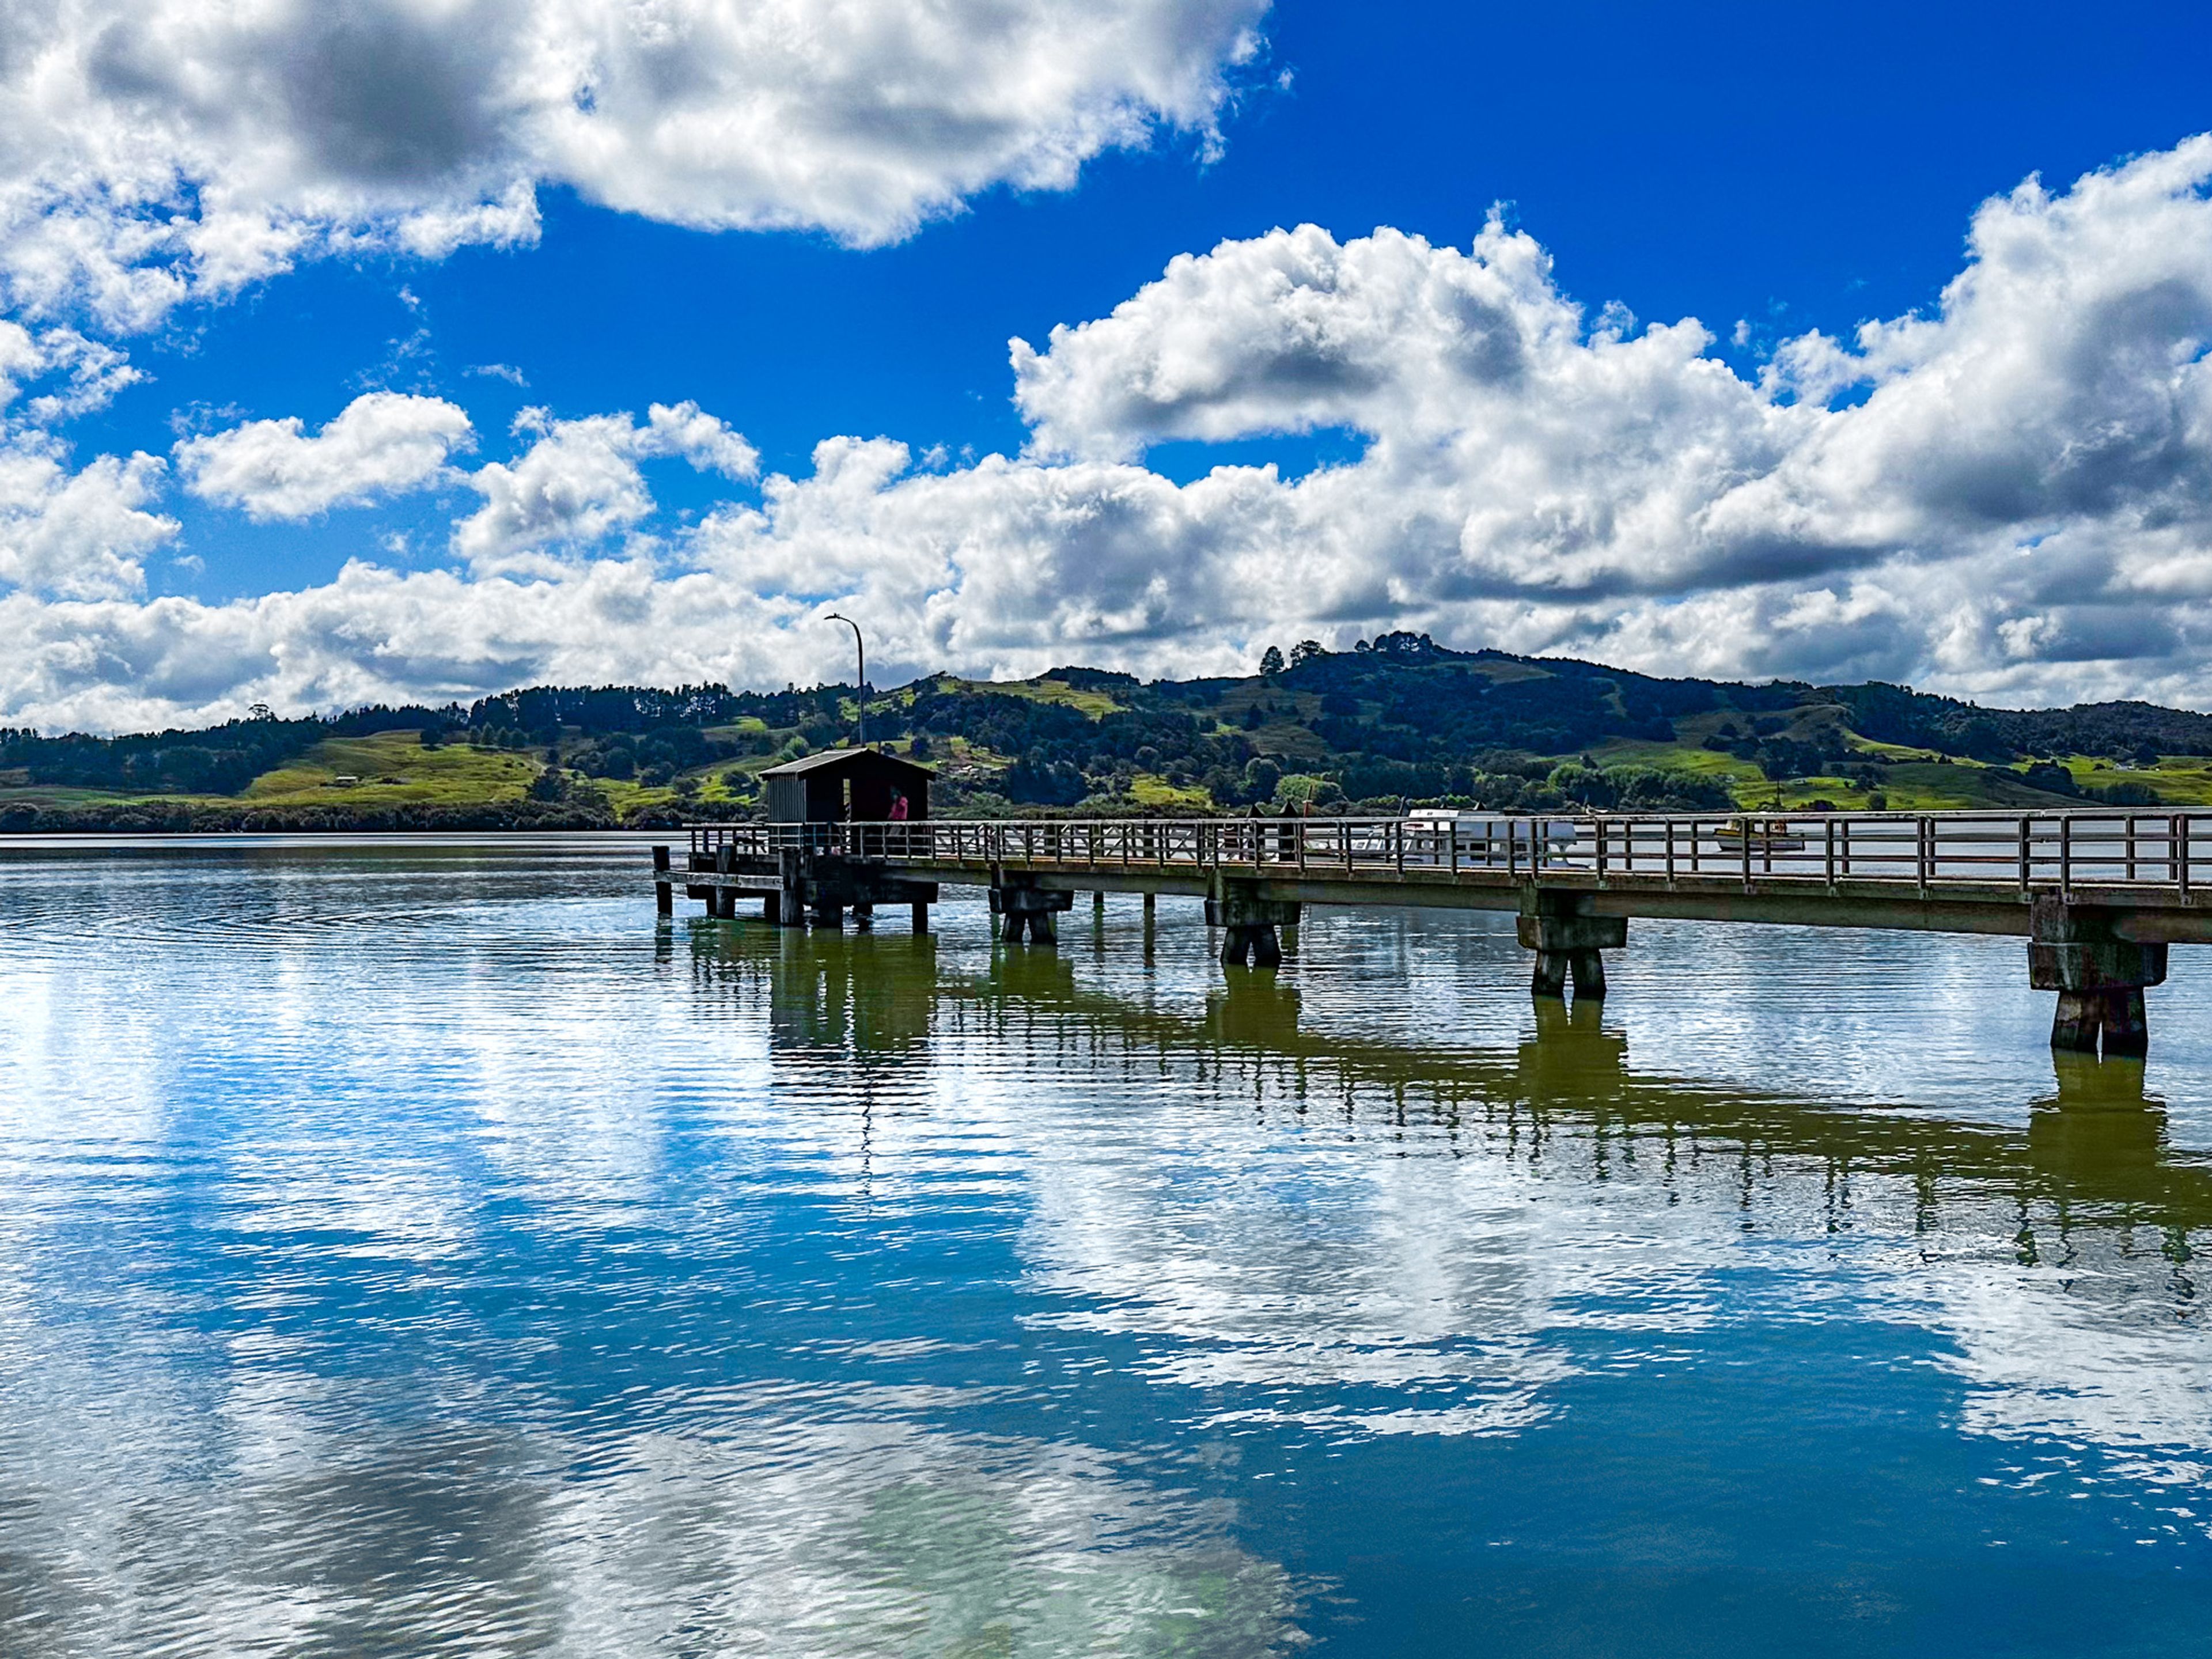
446, 1260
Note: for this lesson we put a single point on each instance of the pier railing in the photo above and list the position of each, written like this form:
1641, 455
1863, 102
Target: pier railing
2170, 852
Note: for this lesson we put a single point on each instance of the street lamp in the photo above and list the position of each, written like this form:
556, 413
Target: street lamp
861, 652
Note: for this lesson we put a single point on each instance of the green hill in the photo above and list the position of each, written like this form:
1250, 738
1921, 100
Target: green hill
1398, 721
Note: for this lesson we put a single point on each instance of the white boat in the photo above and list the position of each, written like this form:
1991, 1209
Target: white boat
1488, 840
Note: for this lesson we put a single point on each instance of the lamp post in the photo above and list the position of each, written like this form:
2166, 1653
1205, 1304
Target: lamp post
860, 650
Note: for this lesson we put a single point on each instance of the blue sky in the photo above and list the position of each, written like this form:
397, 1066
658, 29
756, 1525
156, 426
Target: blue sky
847, 269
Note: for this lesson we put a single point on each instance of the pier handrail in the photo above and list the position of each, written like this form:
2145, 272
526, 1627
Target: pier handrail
2163, 851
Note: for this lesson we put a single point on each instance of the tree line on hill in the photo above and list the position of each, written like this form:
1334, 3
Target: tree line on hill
159, 816
1398, 718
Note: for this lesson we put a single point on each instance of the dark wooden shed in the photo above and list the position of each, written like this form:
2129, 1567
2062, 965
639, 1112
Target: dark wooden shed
842, 784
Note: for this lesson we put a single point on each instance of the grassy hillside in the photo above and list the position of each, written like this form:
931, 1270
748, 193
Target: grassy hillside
1398, 721
391, 769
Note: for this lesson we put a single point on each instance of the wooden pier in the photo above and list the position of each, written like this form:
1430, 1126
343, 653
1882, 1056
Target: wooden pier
2099, 896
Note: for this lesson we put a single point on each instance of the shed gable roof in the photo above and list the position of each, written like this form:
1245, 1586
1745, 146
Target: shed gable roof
847, 759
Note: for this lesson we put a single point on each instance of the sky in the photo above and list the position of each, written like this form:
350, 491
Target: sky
414, 349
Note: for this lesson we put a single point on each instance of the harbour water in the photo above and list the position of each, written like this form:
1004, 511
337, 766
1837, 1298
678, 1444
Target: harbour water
419, 1248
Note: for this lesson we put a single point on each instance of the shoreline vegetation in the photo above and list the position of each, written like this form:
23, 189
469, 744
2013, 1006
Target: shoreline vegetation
1397, 722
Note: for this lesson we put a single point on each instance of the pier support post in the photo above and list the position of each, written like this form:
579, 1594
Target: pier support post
695, 863
664, 893
1022, 908
1558, 926
724, 900
921, 918
2100, 977
791, 865
1248, 924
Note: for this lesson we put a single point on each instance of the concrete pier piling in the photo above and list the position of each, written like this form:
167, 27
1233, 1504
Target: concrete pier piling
1025, 908
1567, 938
1249, 924
2075, 950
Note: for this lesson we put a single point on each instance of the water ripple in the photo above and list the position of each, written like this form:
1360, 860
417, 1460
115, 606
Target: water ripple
414, 1247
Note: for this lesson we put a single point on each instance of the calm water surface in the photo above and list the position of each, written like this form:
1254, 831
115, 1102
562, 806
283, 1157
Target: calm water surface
415, 1248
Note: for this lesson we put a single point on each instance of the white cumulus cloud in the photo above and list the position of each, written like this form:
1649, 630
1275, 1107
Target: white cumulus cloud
2028, 481
2013, 501
19, 360
580, 481
80, 534
151, 149
383, 443
84, 374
